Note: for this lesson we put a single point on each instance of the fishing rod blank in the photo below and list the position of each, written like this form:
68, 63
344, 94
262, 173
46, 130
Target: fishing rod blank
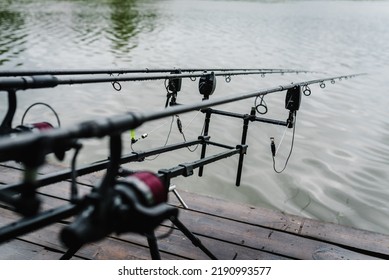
60, 72
51, 81
29, 148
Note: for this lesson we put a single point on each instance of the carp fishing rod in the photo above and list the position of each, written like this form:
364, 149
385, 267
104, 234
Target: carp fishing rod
31, 149
173, 81
121, 71
51, 81
52, 140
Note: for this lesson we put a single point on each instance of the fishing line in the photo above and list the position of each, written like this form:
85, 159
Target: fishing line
123, 103
158, 127
167, 139
201, 133
290, 152
181, 130
275, 150
286, 128
282, 139
172, 87
198, 112
144, 135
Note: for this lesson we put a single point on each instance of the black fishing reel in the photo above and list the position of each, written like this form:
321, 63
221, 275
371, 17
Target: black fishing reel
136, 204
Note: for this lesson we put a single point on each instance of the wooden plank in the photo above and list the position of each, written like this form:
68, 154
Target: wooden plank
134, 246
333, 233
176, 244
269, 240
347, 236
55, 190
239, 212
270, 234
9, 175
17, 249
242, 238
108, 248
220, 228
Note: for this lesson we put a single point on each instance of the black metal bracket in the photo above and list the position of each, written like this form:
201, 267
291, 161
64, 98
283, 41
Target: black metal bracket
249, 116
6, 125
188, 169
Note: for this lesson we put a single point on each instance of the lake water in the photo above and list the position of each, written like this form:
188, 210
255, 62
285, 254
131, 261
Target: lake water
338, 171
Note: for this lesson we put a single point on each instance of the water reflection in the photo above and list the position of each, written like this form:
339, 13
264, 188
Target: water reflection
126, 23
78, 30
13, 37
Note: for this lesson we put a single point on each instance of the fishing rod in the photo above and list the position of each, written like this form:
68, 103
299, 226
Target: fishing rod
51, 81
58, 72
173, 82
59, 139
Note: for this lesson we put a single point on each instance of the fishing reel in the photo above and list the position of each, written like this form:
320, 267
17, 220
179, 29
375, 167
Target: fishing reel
136, 203
37, 128
6, 125
33, 127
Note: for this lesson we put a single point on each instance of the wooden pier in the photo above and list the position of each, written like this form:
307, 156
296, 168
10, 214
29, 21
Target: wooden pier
228, 230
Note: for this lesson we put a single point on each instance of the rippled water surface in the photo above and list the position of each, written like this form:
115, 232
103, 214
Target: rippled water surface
338, 171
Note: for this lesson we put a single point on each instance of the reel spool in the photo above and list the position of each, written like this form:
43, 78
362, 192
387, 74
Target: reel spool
33, 127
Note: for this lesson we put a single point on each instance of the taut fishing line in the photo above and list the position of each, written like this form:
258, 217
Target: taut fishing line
182, 130
167, 139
